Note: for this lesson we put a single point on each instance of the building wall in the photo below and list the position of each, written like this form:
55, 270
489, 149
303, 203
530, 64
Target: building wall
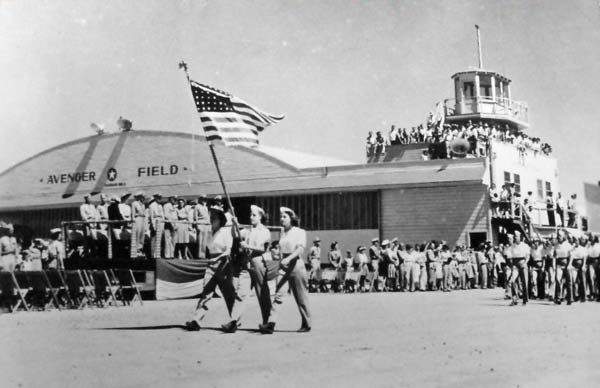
592, 204
443, 213
530, 167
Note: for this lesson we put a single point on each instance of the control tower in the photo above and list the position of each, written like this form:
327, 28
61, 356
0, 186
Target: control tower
482, 95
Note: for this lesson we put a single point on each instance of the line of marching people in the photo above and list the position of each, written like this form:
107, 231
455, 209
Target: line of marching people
562, 268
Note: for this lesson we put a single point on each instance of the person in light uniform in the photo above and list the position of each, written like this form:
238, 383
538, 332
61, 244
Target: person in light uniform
562, 252
293, 244
254, 242
521, 253
138, 228
593, 264
157, 225
579, 256
218, 272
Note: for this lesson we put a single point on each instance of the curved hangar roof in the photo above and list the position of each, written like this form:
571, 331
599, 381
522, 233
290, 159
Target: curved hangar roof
181, 164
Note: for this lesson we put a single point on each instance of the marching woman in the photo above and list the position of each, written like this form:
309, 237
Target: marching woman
254, 243
218, 272
293, 244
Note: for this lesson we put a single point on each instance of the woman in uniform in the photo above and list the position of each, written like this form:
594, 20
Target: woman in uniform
293, 244
335, 259
218, 272
182, 236
363, 267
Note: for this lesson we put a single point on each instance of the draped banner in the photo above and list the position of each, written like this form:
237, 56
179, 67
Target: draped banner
179, 278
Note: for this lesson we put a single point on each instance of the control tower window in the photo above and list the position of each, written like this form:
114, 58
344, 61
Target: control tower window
485, 90
468, 89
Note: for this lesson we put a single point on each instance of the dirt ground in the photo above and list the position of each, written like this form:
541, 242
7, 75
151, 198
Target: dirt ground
461, 339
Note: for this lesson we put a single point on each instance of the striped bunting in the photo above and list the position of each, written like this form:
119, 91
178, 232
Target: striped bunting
229, 119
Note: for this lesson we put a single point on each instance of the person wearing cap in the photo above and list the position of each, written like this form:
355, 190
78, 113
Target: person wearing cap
90, 215
375, 258
293, 244
549, 268
314, 259
446, 260
218, 272
362, 260
593, 263
250, 264
536, 270
508, 264
138, 227
579, 256
202, 220
8, 248
562, 252
561, 207
347, 282
170, 215
156, 224
394, 267
572, 211
550, 209
387, 268
482, 260
335, 260
521, 253
181, 237
56, 250
102, 210
431, 256
403, 266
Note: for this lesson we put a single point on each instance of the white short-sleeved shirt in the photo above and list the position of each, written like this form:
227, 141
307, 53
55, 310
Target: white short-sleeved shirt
256, 237
563, 250
292, 239
220, 242
594, 250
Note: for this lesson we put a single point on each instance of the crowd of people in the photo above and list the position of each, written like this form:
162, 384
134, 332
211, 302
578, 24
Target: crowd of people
508, 203
475, 136
559, 268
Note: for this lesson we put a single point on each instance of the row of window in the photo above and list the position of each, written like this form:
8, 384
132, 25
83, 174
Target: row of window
327, 211
544, 189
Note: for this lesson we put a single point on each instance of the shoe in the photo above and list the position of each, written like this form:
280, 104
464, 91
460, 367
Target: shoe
304, 329
192, 326
569, 303
514, 303
557, 301
230, 327
267, 328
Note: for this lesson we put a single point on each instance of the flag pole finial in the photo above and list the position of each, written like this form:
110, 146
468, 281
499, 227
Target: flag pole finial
184, 67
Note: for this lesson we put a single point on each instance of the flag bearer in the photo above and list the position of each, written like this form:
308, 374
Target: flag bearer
219, 270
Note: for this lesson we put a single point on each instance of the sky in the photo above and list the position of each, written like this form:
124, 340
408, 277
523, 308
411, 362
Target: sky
336, 69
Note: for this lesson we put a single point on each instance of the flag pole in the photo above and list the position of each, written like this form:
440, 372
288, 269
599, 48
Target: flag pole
183, 65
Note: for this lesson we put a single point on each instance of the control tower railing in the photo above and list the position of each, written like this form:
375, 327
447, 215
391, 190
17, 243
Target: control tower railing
515, 110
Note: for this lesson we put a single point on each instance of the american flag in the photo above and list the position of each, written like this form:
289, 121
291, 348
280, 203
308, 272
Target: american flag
227, 118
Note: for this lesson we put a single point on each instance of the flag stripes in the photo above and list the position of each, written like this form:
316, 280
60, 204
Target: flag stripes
229, 119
